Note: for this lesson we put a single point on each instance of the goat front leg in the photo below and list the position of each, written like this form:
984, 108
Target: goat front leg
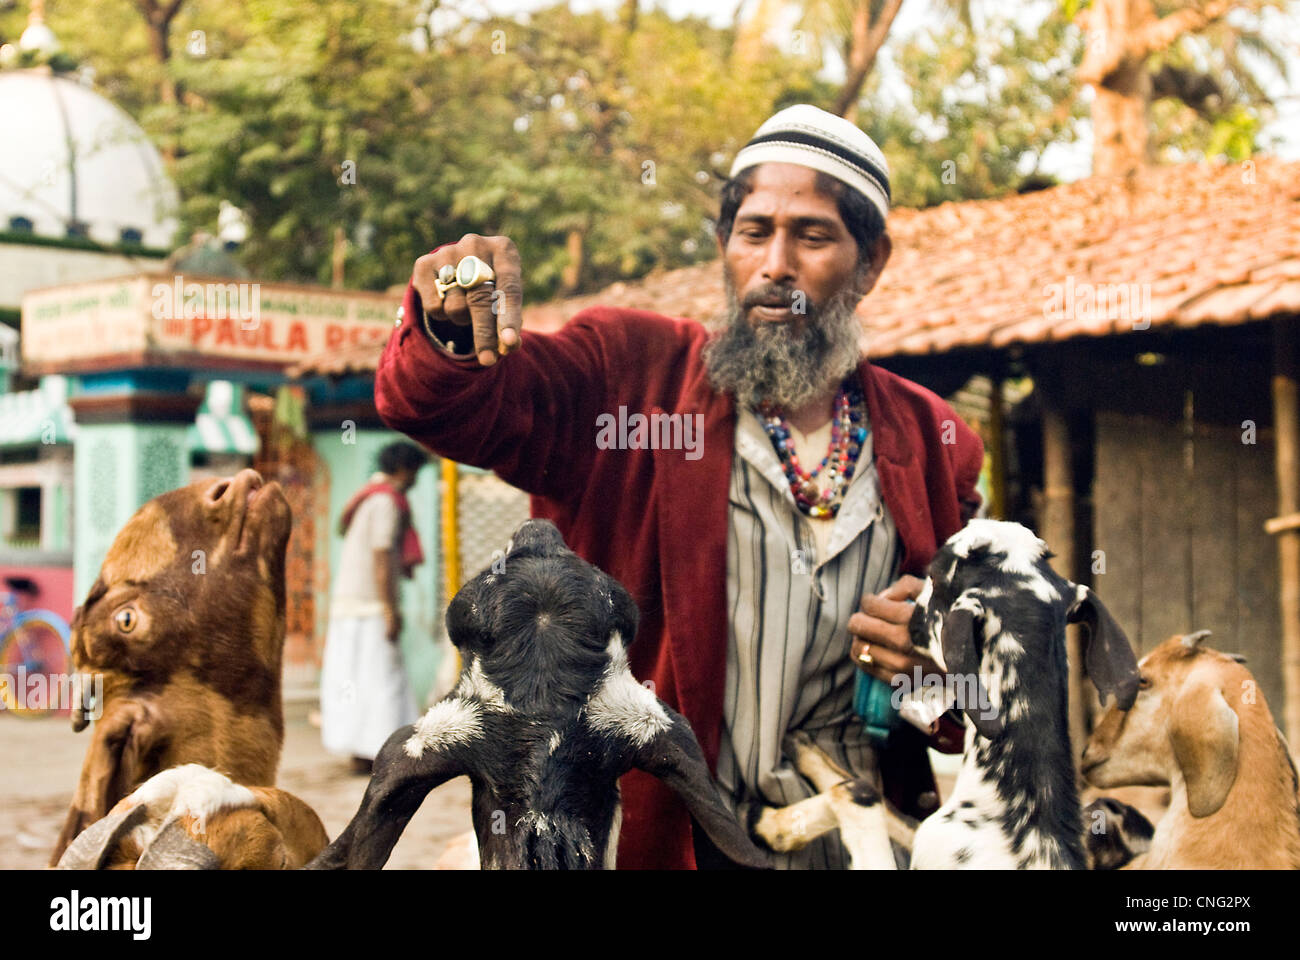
860, 811
786, 829
406, 769
866, 825
852, 804
814, 763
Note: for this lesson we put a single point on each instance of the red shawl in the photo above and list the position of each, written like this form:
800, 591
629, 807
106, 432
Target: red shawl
412, 555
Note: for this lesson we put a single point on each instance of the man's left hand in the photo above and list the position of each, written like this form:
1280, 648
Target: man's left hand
880, 630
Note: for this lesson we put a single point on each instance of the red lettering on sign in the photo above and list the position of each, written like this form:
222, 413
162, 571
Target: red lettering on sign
334, 336
226, 332
297, 337
200, 327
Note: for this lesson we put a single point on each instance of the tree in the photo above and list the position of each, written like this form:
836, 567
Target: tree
158, 19
983, 107
1123, 37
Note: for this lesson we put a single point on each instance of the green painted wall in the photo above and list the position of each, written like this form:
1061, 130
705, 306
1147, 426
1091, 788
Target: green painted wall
350, 459
117, 468
59, 539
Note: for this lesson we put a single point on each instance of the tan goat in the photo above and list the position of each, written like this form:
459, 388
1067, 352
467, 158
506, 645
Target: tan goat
1201, 725
185, 625
190, 817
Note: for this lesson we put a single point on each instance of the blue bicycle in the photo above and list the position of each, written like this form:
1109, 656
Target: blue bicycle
33, 644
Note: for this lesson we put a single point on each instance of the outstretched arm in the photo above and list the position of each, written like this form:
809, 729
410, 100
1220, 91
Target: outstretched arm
521, 404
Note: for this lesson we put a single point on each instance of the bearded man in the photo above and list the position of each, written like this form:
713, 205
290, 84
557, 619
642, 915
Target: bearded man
765, 581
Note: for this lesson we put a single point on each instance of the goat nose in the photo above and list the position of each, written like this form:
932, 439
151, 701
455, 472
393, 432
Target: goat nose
246, 480
217, 491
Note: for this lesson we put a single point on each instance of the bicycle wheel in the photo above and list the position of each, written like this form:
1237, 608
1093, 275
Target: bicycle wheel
34, 659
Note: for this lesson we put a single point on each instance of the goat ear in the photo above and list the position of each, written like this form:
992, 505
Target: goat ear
464, 624
625, 615
91, 848
1108, 656
674, 756
1203, 730
172, 848
963, 619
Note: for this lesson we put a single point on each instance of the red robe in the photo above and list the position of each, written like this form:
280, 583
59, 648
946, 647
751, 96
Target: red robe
654, 519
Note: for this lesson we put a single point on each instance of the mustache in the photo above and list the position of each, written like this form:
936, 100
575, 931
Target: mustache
758, 363
776, 293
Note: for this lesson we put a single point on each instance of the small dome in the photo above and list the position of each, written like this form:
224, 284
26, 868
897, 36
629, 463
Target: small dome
74, 163
40, 38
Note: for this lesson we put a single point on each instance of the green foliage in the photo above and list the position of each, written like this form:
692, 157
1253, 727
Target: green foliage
983, 108
564, 127
1208, 98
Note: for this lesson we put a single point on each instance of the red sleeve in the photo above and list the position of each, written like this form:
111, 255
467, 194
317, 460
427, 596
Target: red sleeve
530, 417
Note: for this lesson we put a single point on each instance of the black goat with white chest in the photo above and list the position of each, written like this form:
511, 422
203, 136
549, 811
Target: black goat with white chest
544, 720
993, 615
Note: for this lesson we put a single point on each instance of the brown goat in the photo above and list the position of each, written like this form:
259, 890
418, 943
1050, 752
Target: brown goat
190, 817
185, 624
1201, 725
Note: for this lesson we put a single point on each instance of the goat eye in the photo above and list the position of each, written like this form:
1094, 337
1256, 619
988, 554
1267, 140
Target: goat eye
1143, 683
126, 620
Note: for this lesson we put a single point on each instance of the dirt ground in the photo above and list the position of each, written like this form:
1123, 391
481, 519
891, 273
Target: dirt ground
40, 761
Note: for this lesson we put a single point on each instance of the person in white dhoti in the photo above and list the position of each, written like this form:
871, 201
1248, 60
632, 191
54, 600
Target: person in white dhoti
364, 691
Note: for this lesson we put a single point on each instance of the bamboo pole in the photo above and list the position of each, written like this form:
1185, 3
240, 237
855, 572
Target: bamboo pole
1286, 423
451, 533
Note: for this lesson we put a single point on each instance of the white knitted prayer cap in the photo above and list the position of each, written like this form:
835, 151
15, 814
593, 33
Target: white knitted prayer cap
811, 137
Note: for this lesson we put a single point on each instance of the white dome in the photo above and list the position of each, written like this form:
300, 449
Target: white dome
68, 154
39, 37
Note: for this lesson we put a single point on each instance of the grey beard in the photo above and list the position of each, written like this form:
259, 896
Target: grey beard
769, 364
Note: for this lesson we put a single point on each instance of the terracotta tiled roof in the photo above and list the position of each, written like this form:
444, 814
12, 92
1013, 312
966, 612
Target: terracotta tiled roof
1179, 246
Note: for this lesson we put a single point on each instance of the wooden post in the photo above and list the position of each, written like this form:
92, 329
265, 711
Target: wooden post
1286, 423
997, 454
1057, 528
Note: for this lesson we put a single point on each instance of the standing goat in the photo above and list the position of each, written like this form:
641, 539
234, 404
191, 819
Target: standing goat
1201, 725
185, 623
992, 615
545, 719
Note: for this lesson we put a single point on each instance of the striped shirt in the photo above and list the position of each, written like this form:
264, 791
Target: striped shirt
789, 602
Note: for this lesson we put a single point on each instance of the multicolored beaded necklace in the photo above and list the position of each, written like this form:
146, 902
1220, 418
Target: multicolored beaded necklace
848, 434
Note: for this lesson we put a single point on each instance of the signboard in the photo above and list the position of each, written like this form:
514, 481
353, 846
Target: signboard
167, 318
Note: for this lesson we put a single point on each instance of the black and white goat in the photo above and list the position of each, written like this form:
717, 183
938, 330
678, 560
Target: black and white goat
1115, 833
992, 615
544, 720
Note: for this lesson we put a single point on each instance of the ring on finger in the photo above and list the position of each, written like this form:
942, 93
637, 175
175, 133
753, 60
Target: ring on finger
472, 272
865, 656
445, 280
